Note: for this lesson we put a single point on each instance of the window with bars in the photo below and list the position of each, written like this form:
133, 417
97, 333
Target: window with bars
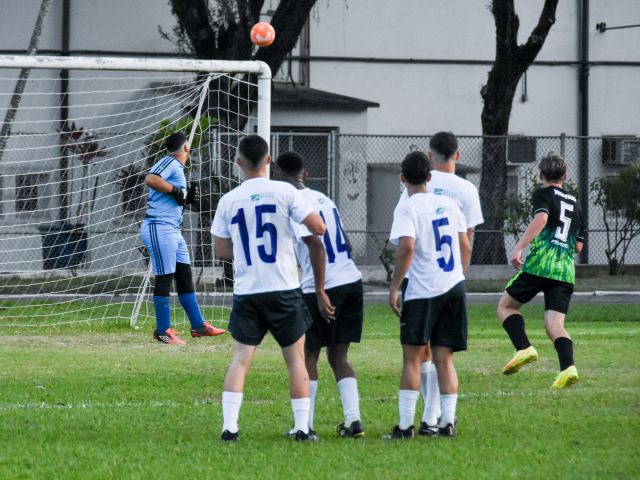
26, 193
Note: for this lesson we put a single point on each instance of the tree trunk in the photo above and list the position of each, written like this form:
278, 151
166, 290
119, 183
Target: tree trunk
510, 63
5, 133
489, 247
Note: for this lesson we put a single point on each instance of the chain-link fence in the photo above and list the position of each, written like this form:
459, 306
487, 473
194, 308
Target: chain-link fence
361, 173
601, 174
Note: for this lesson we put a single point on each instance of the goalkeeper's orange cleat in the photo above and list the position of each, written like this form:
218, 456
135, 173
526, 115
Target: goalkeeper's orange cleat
169, 336
207, 330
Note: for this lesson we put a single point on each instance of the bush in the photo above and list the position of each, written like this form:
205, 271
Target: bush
619, 200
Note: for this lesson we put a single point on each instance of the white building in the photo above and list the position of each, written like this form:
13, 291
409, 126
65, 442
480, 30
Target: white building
396, 68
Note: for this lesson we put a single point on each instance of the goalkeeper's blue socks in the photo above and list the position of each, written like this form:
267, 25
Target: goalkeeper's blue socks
190, 304
163, 313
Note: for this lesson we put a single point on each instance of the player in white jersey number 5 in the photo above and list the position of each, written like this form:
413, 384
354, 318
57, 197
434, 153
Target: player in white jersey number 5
252, 226
343, 283
444, 154
433, 247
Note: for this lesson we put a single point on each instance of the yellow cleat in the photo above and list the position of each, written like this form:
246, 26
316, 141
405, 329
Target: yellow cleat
566, 377
521, 358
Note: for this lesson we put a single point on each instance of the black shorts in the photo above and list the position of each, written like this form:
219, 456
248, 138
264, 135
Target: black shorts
282, 313
441, 320
557, 295
403, 286
347, 326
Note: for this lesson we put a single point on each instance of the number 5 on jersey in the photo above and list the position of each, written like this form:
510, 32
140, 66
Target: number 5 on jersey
262, 228
442, 240
563, 232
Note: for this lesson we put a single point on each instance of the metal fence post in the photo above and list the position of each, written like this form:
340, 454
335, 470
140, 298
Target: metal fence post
333, 165
563, 144
583, 161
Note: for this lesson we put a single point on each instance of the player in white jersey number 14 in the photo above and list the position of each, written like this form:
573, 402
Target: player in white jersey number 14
343, 283
252, 225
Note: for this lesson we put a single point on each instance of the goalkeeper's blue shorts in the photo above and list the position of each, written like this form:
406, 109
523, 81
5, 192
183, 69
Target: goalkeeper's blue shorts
165, 245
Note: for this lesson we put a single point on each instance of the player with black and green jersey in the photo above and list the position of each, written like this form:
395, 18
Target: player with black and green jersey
552, 252
555, 235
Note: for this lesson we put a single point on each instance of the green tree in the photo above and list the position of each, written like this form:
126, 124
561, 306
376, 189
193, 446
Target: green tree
619, 200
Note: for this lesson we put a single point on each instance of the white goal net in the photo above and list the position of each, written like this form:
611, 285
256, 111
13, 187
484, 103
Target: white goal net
77, 138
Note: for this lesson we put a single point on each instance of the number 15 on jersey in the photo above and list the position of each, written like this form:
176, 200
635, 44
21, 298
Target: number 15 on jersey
267, 255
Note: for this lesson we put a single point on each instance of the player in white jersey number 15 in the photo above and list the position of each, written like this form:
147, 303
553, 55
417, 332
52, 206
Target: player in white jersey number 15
252, 226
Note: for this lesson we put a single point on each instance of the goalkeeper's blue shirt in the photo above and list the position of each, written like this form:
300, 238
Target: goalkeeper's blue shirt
162, 207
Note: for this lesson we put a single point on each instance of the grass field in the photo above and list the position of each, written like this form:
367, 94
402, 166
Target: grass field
80, 403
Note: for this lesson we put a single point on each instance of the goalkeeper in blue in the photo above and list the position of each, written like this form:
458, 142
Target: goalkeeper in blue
162, 236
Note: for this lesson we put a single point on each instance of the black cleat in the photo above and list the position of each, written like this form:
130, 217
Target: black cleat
313, 436
227, 436
300, 436
355, 430
447, 431
398, 434
428, 430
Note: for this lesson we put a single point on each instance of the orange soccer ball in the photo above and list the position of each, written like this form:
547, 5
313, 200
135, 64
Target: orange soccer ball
263, 34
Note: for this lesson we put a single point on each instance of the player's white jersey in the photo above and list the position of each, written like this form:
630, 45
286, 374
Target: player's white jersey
257, 217
462, 191
434, 221
339, 268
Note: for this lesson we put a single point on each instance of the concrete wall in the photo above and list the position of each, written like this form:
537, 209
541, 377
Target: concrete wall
344, 121
418, 98
414, 98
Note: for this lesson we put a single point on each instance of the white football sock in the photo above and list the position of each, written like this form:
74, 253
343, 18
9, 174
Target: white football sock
407, 406
432, 398
348, 388
448, 407
424, 368
300, 408
231, 402
313, 390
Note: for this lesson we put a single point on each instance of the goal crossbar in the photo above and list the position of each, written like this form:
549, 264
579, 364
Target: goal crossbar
136, 63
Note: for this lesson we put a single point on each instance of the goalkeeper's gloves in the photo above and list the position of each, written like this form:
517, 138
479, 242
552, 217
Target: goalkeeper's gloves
193, 193
180, 195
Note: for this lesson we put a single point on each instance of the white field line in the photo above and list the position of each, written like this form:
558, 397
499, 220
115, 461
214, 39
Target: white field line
216, 401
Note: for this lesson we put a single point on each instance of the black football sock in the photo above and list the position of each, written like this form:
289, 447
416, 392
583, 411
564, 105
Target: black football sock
564, 347
514, 325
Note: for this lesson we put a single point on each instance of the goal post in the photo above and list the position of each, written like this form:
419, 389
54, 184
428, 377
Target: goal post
72, 197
